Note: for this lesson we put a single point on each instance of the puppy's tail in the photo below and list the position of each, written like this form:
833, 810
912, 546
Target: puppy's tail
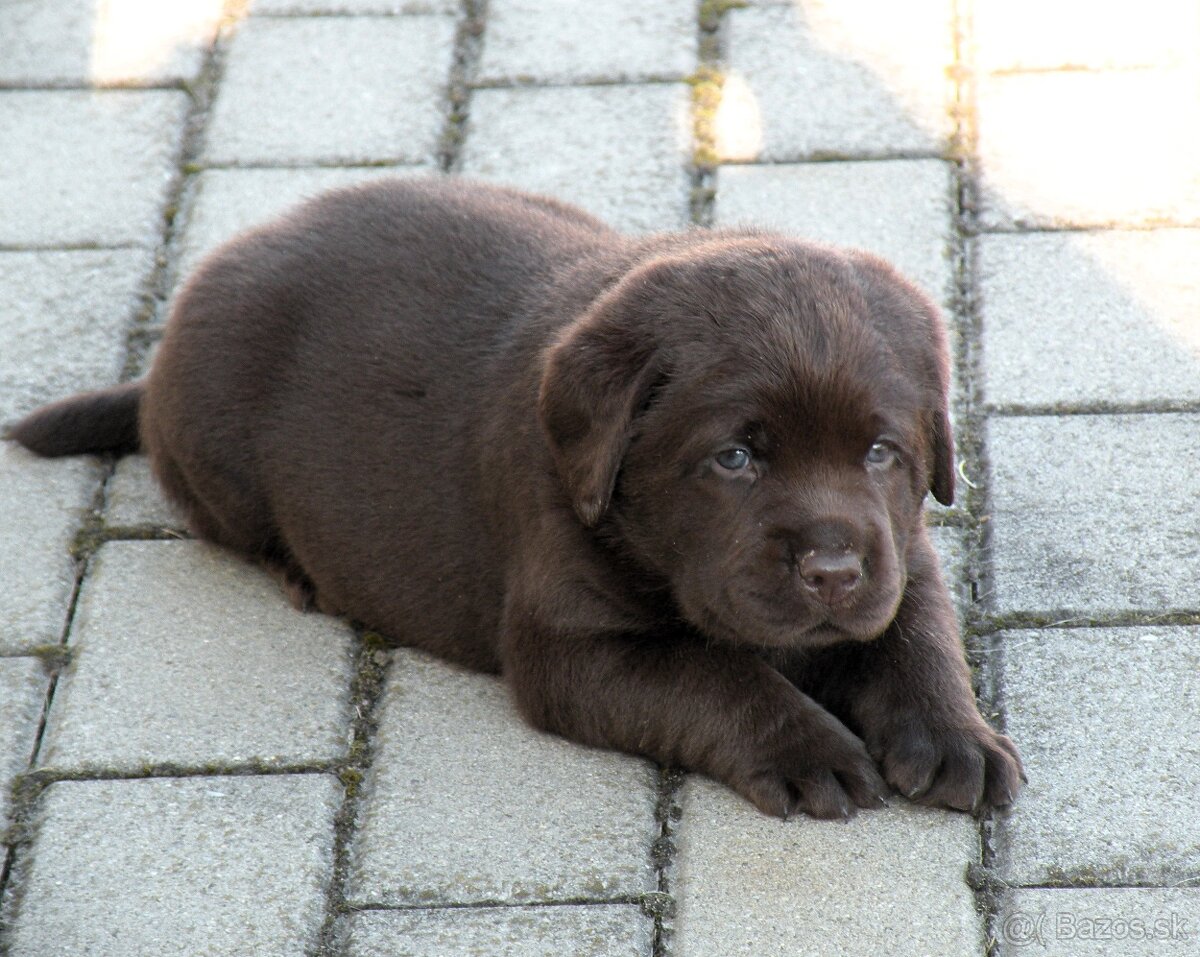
102, 421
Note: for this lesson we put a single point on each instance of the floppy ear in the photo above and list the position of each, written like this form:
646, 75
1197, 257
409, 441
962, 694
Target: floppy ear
596, 377
942, 481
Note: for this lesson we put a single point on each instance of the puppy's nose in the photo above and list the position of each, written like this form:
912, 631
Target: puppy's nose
832, 576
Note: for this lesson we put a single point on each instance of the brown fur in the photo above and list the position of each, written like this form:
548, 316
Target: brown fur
486, 425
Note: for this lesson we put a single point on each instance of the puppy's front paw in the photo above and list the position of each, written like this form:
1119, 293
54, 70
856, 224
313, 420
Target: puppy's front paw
969, 768
813, 764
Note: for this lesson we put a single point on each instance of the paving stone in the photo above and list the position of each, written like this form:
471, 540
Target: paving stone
1090, 318
186, 655
291, 94
898, 209
1075, 34
134, 499
23, 684
195, 867
1090, 149
604, 930
112, 43
223, 202
1108, 722
561, 42
86, 168
871, 78
1132, 921
466, 803
42, 503
951, 546
276, 7
886, 882
621, 152
62, 319
1089, 514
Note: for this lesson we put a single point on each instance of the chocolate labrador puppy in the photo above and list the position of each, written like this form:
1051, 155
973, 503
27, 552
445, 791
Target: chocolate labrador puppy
670, 487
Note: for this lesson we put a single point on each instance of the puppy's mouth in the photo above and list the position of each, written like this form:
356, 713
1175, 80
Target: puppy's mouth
748, 616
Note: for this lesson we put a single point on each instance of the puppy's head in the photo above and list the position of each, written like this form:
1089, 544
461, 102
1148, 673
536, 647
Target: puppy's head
757, 421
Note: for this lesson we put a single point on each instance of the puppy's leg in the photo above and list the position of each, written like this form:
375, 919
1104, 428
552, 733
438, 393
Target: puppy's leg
909, 694
718, 710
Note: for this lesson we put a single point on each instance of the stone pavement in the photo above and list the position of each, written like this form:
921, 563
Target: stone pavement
188, 767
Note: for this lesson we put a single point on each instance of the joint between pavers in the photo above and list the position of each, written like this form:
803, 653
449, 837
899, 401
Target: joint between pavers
706, 83
93, 532
1081, 409
1073, 68
468, 47
660, 904
818, 157
91, 247
1099, 878
1062, 620
386, 162
650, 903
41, 778
526, 82
981, 646
201, 92
1148, 225
79, 86
373, 661
349, 15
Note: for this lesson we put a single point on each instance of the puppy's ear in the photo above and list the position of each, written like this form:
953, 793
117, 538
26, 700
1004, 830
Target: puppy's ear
596, 377
914, 326
942, 480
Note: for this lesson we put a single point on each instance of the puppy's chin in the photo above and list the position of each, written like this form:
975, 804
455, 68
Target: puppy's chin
753, 620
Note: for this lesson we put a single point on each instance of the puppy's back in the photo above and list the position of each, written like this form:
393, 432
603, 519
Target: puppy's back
315, 399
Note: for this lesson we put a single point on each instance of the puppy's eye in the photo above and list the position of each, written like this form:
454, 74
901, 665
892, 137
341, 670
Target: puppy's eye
734, 460
881, 454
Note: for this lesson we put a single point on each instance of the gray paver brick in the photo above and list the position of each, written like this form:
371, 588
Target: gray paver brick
101, 44
1108, 721
871, 79
133, 498
1131, 921
42, 503
1089, 514
605, 930
1078, 318
1073, 34
225, 201
23, 684
62, 320
951, 546
898, 209
186, 655
292, 95
1074, 148
619, 151
466, 803
194, 867
563, 42
81, 167
890, 881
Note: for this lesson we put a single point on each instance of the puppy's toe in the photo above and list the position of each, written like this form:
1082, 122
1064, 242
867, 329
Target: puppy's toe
821, 795
966, 769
